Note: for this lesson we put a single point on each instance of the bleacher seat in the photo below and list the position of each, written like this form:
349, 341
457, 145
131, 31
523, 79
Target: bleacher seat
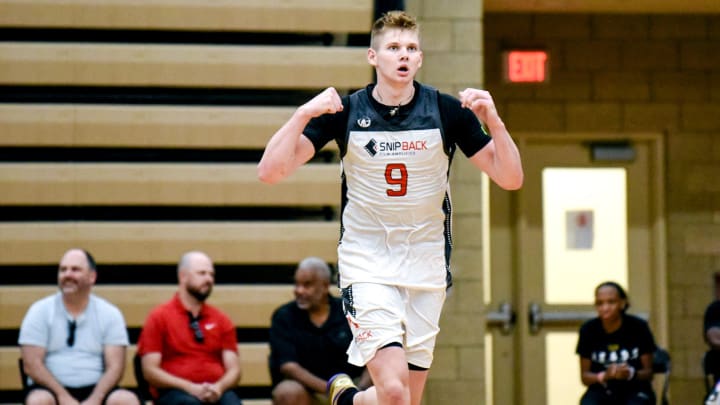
132, 129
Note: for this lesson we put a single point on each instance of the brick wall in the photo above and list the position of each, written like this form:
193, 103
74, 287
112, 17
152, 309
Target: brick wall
637, 73
452, 49
610, 73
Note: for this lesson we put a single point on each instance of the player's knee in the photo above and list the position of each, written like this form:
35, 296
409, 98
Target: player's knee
393, 391
40, 397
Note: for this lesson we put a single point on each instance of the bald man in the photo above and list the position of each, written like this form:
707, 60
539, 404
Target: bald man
189, 348
73, 342
308, 339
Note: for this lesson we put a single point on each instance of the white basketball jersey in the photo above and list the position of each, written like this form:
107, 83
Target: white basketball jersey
396, 200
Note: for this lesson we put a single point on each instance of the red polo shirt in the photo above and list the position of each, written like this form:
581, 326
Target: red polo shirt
167, 331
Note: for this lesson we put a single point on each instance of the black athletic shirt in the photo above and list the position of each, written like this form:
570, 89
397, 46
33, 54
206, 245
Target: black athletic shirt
456, 121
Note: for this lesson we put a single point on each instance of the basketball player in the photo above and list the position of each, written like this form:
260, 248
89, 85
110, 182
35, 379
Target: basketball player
397, 138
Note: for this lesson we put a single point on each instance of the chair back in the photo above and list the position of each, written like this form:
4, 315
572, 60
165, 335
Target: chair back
661, 361
662, 365
143, 388
23, 375
711, 369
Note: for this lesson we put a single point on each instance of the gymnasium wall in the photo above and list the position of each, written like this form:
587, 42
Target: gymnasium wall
637, 73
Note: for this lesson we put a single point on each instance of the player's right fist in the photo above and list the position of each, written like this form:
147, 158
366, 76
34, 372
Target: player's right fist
327, 102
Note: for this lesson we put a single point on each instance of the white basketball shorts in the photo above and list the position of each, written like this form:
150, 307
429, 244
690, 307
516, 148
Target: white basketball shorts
383, 314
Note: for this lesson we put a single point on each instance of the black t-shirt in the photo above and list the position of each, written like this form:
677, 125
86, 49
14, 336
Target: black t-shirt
320, 350
625, 345
460, 126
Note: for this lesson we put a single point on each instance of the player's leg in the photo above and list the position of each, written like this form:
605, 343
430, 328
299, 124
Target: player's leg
422, 314
388, 365
417, 385
389, 372
423, 308
376, 314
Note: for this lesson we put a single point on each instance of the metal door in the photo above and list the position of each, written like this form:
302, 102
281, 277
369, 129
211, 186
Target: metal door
590, 211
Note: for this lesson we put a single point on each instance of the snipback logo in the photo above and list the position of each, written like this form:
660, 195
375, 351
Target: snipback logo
395, 148
371, 147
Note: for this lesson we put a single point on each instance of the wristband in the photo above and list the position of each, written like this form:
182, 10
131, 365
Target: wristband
632, 372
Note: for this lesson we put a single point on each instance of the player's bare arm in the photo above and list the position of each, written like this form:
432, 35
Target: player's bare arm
500, 159
288, 149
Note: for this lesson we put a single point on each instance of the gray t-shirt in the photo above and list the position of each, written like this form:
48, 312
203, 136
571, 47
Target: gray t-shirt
46, 324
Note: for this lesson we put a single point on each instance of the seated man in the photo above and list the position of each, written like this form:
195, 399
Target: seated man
73, 343
189, 348
308, 340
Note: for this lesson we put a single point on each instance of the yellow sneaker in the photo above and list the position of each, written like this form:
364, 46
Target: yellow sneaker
338, 384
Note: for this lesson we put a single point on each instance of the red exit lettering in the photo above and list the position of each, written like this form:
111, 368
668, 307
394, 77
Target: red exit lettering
526, 66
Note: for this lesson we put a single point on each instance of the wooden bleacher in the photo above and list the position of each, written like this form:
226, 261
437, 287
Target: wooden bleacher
46, 116
150, 126
266, 67
224, 15
149, 242
162, 184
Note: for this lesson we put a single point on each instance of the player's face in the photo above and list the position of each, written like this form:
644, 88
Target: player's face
608, 303
310, 289
74, 274
397, 57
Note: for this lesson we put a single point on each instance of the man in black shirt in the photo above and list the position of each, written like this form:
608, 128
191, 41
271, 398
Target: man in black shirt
308, 339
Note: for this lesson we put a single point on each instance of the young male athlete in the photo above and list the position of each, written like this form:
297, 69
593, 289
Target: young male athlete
397, 138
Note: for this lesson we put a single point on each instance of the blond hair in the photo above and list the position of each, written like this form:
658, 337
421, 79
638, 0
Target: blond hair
392, 20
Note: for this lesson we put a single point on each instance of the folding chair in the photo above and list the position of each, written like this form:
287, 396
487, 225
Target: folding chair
143, 388
711, 369
661, 365
23, 376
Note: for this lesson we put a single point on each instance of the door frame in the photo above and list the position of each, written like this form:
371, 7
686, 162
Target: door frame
505, 224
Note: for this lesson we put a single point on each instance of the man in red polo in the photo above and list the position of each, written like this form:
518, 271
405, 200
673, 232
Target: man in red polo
189, 348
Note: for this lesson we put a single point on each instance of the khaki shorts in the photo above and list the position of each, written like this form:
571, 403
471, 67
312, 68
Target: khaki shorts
383, 314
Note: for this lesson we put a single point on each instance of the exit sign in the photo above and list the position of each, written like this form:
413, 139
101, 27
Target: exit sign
526, 66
